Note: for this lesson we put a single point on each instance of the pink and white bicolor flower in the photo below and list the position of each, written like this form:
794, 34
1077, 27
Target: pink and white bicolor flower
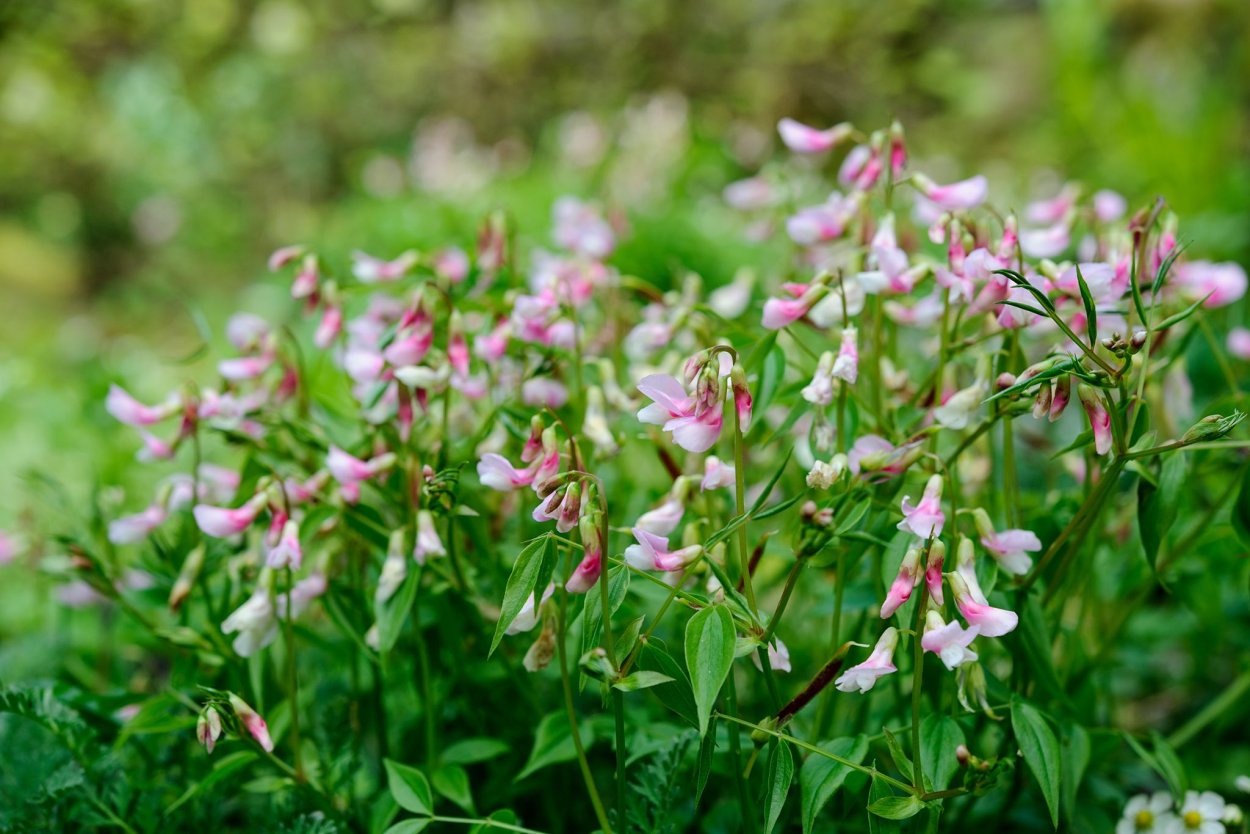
800, 138
846, 366
1099, 418
126, 409
663, 519
864, 677
675, 410
716, 474
252, 722
428, 543
782, 312
964, 194
287, 552
138, 526
652, 553
371, 270
1010, 548
348, 469
223, 522
925, 519
497, 473
949, 641
993, 622
905, 581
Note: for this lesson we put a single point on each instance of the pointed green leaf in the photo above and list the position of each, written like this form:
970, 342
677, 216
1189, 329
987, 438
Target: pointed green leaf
532, 569
1041, 752
896, 807
777, 778
409, 788
710, 641
820, 778
940, 735
641, 680
553, 743
452, 782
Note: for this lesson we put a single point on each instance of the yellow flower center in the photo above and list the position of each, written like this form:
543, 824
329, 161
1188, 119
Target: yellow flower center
1144, 820
1192, 819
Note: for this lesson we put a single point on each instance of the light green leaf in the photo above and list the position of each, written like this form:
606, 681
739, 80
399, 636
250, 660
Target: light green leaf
452, 782
532, 569
1041, 752
409, 827
641, 680
939, 736
896, 807
473, 750
409, 787
553, 743
777, 778
710, 640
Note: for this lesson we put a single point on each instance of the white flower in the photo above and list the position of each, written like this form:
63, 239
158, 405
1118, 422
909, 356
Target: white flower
1200, 812
1147, 814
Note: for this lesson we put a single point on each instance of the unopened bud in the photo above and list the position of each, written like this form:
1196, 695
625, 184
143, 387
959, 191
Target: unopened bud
186, 579
1005, 380
962, 755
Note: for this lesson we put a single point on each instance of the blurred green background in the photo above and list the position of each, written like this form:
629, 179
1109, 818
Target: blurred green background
153, 152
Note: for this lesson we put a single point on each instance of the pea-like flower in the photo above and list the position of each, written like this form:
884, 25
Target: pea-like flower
926, 518
864, 677
949, 641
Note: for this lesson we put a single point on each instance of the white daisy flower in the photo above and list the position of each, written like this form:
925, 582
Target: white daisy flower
1147, 814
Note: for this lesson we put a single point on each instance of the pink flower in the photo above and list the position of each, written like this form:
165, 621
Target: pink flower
964, 194
749, 194
1010, 548
992, 622
302, 595
693, 429
580, 228
907, 579
717, 474
543, 391
875, 455
428, 543
244, 367
778, 657
497, 473
306, 280
652, 553
846, 366
663, 519
1109, 206
563, 506
208, 728
330, 326
223, 522
282, 257
803, 139
933, 571
137, 527
286, 553
1239, 342
1224, 283
8, 548
949, 641
126, 409
371, 270
925, 519
451, 264
864, 677
1099, 418
1045, 243
781, 312
817, 224
252, 722
587, 572
347, 469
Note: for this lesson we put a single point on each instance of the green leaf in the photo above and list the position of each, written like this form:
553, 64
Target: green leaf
223, 768
777, 778
896, 807
939, 736
473, 750
1033, 642
592, 614
676, 695
641, 680
878, 791
1170, 766
901, 760
409, 827
553, 743
1156, 506
452, 782
1041, 752
759, 351
771, 374
820, 777
503, 815
532, 569
1241, 510
392, 613
1091, 312
707, 749
409, 787
1177, 318
1074, 748
710, 640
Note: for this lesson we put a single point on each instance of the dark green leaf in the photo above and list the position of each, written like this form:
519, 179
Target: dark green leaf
1041, 752
532, 569
939, 736
710, 641
1091, 312
1240, 517
1156, 506
777, 778
1074, 748
392, 613
820, 778
473, 750
896, 807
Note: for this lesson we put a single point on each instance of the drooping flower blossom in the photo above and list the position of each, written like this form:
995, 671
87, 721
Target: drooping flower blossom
587, 572
371, 270
252, 722
846, 366
778, 657
695, 425
905, 581
1239, 342
348, 469
863, 677
933, 571
749, 194
993, 622
1099, 418
286, 552
451, 264
652, 553
782, 312
563, 506
223, 522
825, 222
964, 194
1010, 548
803, 139
716, 474
580, 228
820, 390
255, 622
428, 543
873, 456
126, 409
497, 473
823, 475
926, 518
959, 408
663, 519
137, 527
949, 641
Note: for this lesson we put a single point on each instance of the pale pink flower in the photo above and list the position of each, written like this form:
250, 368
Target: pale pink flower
371, 270
905, 581
497, 473
223, 522
1010, 548
781, 312
864, 677
543, 391
820, 390
846, 366
652, 553
949, 641
1221, 283
663, 519
283, 256
563, 506
926, 518
874, 455
302, 594
1239, 342
717, 474
817, 224
428, 543
244, 367
675, 410
803, 139
961, 407
964, 194
126, 409
1099, 418
330, 326
749, 194
451, 264
348, 469
247, 332
305, 283
993, 622
778, 657
586, 574
255, 622
580, 228
1109, 206
137, 527
252, 722
933, 571
1049, 242
286, 552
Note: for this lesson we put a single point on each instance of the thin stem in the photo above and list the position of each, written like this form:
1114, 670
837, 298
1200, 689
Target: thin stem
292, 677
735, 749
484, 823
791, 579
740, 493
917, 679
582, 761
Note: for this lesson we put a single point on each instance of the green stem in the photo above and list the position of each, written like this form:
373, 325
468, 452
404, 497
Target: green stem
735, 749
484, 823
740, 493
567, 686
917, 679
292, 677
791, 579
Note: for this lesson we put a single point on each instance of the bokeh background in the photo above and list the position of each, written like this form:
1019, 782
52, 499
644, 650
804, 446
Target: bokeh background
153, 152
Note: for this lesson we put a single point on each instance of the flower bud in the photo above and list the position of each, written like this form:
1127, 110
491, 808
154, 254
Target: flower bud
252, 722
187, 576
208, 728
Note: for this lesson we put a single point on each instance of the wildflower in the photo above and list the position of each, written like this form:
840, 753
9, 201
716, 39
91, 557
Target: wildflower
252, 722
820, 390
652, 553
993, 622
223, 522
663, 519
527, 617
301, 595
803, 139
587, 572
138, 526
595, 423
925, 519
949, 641
823, 475
428, 543
742, 397
1099, 418
1010, 548
1239, 342
304, 285
208, 728
371, 270
545, 392
778, 657
497, 473
394, 569
846, 366
695, 426
348, 470
562, 505
933, 571
254, 621
864, 677
126, 409
1220, 284
1046, 243
872, 454
825, 222
959, 409
451, 264
781, 312
1147, 814
581, 229
1109, 206
732, 299
283, 256
286, 552
964, 194
908, 578
749, 194
1201, 812
716, 474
